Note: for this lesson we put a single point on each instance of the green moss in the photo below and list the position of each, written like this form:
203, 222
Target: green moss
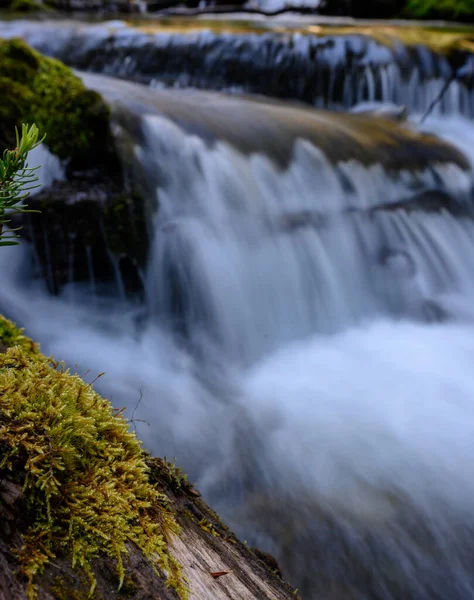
61, 590
439, 9
208, 527
43, 90
11, 335
85, 480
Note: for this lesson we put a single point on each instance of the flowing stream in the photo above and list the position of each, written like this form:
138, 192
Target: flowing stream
305, 348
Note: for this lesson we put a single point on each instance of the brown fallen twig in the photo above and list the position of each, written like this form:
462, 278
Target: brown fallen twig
217, 574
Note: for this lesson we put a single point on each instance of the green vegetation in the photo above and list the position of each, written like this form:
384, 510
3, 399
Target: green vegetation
11, 335
86, 485
439, 9
16, 178
44, 91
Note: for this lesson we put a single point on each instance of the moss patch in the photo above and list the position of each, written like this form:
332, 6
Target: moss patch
439, 9
11, 335
86, 488
44, 91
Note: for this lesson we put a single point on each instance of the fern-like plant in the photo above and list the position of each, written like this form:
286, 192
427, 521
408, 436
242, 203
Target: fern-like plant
16, 179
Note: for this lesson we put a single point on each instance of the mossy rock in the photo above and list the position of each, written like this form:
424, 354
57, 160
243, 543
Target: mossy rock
82, 504
44, 91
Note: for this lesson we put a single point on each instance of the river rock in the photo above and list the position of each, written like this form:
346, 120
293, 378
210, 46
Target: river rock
88, 231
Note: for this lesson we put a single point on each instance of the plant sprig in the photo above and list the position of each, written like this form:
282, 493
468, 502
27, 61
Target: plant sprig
17, 179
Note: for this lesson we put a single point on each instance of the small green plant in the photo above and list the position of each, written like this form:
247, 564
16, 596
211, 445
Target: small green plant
175, 478
17, 179
208, 527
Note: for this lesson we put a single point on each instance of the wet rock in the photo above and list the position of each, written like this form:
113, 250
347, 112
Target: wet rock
301, 220
87, 231
368, 9
429, 201
331, 68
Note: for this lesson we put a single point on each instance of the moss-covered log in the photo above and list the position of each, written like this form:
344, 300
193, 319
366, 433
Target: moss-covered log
86, 513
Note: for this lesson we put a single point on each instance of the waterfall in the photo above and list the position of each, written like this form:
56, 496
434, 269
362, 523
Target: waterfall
262, 257
328, 71
305, 345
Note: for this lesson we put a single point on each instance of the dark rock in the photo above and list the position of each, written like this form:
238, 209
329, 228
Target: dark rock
301, 220
428, 201
269, 560
368, 9
87, 230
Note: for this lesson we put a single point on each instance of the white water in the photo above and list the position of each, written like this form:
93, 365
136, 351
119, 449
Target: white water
309, 375
410, 75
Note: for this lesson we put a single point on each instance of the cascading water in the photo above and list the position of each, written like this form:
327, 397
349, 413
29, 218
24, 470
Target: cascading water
306, 343
325, 70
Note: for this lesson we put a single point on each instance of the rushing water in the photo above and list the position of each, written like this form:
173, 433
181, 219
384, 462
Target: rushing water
305, 348
328, 71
